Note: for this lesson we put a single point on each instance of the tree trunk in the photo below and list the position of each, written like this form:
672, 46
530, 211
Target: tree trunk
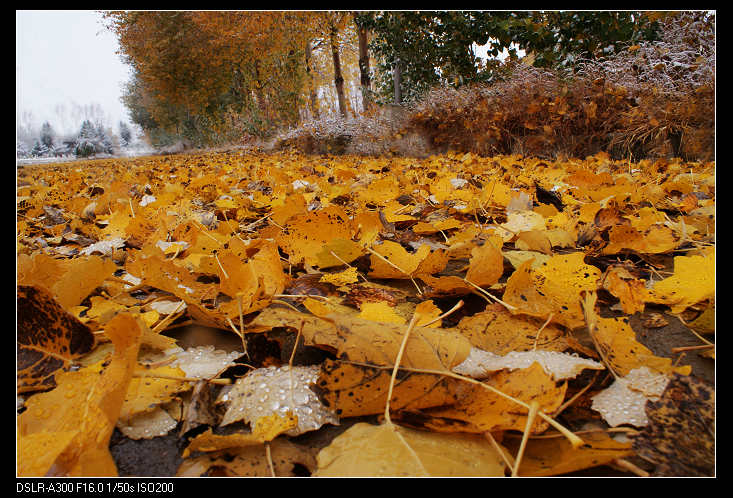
259, 93
397, 80
309, 76
366, 80
338, 78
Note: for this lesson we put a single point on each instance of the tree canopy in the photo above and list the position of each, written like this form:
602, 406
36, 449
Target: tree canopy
209, 75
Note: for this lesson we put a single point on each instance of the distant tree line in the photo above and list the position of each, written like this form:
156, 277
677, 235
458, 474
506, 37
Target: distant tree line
208, 76
92, 139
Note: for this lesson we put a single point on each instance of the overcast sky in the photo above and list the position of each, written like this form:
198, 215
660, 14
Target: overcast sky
66, 57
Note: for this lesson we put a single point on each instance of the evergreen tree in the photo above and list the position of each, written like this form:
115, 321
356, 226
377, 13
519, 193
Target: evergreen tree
104, 142
85, 142
39, 149
125, 134
47, 135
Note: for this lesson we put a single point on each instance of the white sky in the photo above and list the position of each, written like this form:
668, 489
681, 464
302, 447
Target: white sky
65, 57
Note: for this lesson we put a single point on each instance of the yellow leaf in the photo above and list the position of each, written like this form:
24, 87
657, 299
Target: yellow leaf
269, 427
693, 281
553, 288
387, 450
427, 312
380, 312
348, 276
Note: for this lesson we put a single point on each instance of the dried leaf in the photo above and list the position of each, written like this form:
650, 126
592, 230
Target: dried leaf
250, 461
553, 288
624, 401
278, 391
480, 364
86, 402
680, 437
49, 339
693, 281
388, 450
556, 456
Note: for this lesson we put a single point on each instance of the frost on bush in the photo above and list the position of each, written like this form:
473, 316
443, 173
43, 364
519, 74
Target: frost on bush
650, 100
672, 83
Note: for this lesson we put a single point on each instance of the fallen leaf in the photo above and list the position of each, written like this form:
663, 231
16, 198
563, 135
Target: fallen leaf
553, 288
556, 456
680, 437
624, 401
480, 364
693, 281
251, 461
278, 391
381, 312
86, 402
479, 410
49, 339
389, 450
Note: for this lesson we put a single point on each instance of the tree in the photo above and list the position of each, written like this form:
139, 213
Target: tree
364, 69
39, 149
419, 50
194, 70
125, 134
47, 135
559, 38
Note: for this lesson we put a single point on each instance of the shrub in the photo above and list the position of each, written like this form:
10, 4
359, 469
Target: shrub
654, 99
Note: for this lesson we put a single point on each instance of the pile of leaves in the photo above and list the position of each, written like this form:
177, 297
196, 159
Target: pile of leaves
455, 315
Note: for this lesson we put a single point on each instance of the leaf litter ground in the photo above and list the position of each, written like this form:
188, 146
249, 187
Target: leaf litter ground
197, 288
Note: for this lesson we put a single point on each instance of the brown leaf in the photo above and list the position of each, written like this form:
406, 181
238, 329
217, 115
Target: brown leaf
680, 437
49, 339
251, 461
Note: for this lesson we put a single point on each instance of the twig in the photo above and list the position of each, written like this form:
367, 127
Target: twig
268, 454
458, 305
226, 275
508, 460
576, 396
630, 467
679, 317
486, 293
574, 440
692, 348
172, 316
410, 326
536, 338
392, 379
533, 408
181, 379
